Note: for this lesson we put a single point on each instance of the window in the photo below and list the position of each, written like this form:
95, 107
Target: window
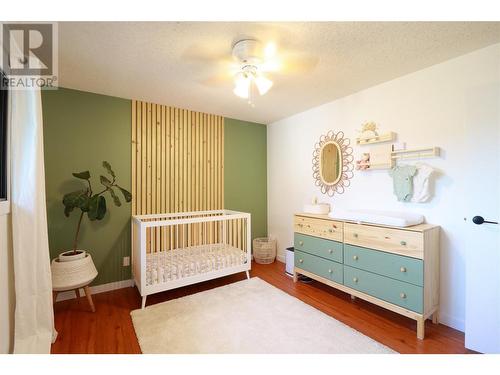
3, 138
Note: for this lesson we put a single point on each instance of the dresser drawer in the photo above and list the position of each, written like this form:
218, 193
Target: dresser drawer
396, 292
325, 268
398, 267
324, 228
398, 241
328, 249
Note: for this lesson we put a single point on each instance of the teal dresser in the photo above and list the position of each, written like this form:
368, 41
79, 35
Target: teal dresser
396, 268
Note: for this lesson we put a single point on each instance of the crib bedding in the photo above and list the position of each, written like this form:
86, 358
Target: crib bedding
165, 266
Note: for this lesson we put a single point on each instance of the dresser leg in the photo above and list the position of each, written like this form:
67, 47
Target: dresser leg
435, 317
420, 328
295, 276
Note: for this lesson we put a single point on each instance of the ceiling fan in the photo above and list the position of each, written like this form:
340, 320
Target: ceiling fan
252, 67
253, 61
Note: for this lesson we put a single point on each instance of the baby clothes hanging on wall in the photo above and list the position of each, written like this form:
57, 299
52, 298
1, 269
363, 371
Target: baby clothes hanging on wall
402, 177
421, 191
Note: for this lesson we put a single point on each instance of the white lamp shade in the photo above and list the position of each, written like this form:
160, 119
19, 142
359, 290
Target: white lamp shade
242, 86
263, 84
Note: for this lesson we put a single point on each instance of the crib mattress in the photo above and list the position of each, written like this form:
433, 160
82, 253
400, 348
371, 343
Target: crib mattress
165, 266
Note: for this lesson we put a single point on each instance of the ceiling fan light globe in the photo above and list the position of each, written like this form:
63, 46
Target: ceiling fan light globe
242, 86
263, 84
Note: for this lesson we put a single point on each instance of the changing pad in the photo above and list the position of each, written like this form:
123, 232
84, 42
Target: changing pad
390, 218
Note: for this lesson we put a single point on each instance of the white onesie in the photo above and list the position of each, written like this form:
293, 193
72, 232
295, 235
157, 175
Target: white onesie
421, 191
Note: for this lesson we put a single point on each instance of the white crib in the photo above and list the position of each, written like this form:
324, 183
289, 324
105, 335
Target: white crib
178, 249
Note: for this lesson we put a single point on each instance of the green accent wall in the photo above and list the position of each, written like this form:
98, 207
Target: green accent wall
81, 130
245, 171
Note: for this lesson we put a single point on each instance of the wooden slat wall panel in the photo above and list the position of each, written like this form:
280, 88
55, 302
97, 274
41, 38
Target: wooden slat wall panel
177, 166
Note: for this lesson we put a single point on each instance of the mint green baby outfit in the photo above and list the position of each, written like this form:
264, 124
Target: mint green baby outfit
402, 178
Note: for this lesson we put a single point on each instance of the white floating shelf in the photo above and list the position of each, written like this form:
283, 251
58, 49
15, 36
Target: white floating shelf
376, 139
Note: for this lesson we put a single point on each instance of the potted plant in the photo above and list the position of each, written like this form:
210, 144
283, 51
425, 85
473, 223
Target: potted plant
74, 268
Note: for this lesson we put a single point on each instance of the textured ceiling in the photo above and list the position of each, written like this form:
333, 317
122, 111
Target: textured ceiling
153, 61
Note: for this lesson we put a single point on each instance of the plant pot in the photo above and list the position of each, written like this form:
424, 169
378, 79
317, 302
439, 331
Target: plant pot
74, 274
69, 256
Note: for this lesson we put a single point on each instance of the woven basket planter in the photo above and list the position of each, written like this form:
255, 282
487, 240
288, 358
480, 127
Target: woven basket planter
264, 250
73, 274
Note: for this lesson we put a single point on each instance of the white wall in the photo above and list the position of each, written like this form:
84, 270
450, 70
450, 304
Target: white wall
6, 287
425, 108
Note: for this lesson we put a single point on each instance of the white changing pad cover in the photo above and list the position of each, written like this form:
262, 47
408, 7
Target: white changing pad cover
390, 218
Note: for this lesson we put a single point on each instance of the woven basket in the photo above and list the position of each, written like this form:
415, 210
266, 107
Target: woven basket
264, 250
73, 274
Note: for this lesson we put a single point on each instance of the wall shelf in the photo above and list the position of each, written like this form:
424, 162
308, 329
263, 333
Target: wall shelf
417, 153
376, 139
372, 167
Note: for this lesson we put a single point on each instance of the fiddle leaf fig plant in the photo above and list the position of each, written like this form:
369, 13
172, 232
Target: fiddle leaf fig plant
90, 203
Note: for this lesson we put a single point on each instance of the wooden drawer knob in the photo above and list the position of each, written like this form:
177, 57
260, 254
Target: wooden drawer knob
330, 251
301, 243
403, 269
403, 243
329, 271
301, 260
355, 279
355, 257
402, 295
330, 230
355, 235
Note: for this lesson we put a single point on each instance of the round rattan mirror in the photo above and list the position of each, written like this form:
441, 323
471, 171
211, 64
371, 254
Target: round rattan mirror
332, 163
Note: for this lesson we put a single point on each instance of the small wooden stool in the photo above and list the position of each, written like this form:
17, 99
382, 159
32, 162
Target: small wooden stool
86, 288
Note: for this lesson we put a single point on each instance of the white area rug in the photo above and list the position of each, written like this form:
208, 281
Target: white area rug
249, 316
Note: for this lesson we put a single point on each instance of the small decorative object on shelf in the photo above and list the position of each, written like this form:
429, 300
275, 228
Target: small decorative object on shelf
369, 130
369, 134
363, 163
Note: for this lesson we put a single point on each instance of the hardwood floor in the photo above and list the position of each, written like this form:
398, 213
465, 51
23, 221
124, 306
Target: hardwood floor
110, 330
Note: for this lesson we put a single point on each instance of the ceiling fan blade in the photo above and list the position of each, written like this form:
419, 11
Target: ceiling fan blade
218, 80
199, 53
291, 63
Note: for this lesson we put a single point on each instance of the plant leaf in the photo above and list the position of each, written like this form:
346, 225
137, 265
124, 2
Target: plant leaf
75, 199
85, 175
106, 165
126, 194
105, 181
67, 210
101, 208
116, 200
97, 207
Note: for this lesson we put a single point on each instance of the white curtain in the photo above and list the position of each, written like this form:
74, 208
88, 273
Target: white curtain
34, 315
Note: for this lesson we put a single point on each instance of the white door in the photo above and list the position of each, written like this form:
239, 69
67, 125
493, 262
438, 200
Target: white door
482, 261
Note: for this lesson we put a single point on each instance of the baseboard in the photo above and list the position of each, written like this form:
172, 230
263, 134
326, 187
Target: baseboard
70, 294
451, 321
